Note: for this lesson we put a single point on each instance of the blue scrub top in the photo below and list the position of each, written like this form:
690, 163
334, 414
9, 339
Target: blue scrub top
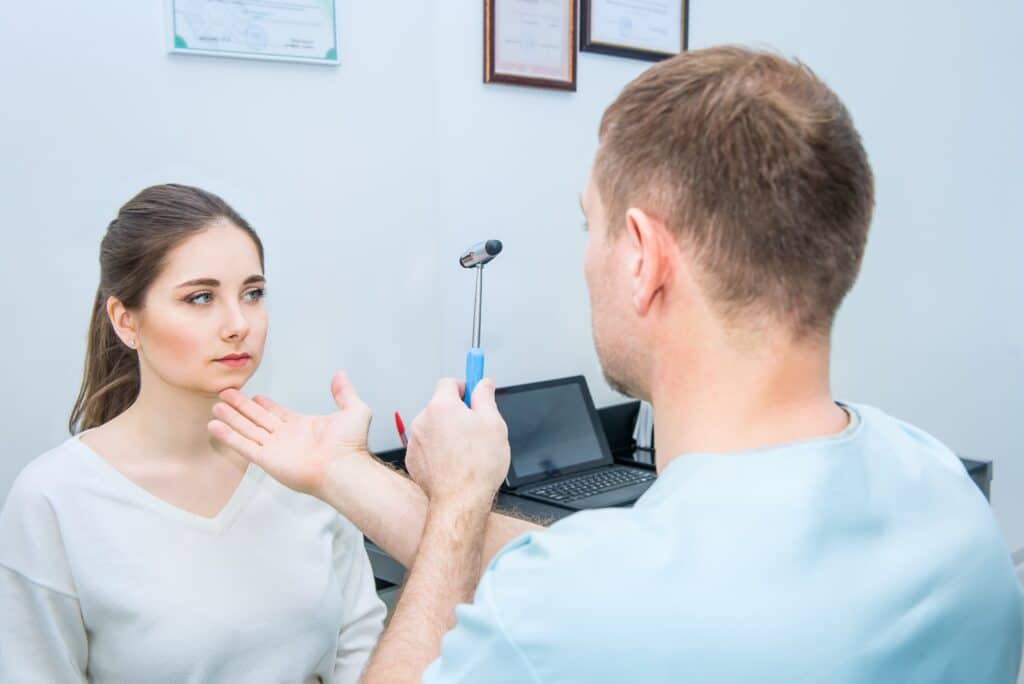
869, 556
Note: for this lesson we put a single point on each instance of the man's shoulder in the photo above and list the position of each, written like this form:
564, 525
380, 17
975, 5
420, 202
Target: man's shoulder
914, 465
902, 436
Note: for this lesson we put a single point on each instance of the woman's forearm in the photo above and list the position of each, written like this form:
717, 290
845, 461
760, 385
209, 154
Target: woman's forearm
391, 510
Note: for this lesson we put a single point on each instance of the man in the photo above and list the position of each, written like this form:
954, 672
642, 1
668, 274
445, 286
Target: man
788, 537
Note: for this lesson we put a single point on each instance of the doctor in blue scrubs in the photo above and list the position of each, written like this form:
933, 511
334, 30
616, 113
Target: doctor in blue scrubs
790, 537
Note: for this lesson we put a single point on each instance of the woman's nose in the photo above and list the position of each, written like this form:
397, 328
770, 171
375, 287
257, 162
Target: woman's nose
236, 325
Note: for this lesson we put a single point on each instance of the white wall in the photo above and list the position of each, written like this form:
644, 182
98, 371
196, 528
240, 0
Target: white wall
403, 152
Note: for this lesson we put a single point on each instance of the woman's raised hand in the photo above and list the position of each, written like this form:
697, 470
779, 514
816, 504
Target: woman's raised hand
295, 449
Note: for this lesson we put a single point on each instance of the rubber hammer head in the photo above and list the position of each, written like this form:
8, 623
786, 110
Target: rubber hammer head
480, 254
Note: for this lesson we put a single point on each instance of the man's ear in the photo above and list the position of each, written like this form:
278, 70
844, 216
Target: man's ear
649, 242
124, 321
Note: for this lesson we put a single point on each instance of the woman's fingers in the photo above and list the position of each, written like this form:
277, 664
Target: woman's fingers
240, 424
250, 409
246, 447
275, 408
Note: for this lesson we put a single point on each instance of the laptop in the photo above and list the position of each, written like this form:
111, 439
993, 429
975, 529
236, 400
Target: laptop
560, 454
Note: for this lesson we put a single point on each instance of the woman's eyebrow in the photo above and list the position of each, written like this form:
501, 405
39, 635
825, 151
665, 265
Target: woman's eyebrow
205, 282
213, 282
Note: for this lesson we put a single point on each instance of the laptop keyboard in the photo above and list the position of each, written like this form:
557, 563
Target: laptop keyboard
589, 484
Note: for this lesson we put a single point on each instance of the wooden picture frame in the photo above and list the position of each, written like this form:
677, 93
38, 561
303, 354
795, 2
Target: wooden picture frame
525, 44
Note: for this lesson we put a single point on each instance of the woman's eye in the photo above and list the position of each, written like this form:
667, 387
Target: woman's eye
200, 298
255, 295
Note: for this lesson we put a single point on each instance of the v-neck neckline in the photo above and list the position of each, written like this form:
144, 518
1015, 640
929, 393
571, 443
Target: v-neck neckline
217, 524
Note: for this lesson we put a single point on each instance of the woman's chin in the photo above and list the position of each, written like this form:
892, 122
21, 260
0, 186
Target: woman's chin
220, 384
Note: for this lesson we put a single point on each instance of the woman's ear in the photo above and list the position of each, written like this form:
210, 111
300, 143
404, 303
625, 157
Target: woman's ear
124, 321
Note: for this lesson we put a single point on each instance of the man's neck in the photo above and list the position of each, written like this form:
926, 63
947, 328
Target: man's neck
740, 401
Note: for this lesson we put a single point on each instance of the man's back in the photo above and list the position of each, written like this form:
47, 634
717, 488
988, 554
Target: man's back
865, 557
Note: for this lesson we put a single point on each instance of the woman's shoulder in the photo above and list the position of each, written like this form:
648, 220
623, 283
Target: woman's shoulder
49, 474
31, 540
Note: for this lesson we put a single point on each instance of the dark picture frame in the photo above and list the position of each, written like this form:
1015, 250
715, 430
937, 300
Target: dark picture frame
493, 75
588, 44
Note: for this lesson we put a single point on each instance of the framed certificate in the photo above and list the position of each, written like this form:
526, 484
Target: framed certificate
293, 31
530, 42
642, 29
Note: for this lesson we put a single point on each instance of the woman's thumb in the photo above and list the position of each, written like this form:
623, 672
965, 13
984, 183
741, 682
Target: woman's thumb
344, 391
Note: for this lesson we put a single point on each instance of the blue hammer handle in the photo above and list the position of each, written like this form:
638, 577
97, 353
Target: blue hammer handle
474, 371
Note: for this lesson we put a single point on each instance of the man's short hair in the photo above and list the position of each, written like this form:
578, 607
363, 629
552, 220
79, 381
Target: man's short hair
756, 166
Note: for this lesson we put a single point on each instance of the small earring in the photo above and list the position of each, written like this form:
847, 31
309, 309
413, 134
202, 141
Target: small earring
131, 343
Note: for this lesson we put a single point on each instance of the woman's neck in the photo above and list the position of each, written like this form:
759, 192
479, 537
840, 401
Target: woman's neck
171, 421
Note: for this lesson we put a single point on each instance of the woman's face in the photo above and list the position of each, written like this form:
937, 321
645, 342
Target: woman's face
203, 324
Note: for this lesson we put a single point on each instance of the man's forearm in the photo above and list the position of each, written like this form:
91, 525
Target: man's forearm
443, 575
391, 509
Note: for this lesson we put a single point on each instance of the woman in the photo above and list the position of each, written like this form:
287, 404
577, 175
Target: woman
140, 550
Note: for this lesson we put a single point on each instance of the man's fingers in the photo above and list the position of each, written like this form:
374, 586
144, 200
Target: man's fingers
240, 424
486, 406
247, 448
250, 409
275, 408
483, 397
448, 389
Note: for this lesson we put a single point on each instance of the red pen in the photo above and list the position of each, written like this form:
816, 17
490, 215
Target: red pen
400, 426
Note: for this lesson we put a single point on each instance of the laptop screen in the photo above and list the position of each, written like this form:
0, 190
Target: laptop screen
552, 429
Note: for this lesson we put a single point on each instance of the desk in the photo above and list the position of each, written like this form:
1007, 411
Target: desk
981, 473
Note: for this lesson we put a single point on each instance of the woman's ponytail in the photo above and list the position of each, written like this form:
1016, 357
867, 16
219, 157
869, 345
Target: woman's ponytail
110, 381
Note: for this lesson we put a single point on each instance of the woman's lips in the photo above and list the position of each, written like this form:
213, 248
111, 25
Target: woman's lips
234, 360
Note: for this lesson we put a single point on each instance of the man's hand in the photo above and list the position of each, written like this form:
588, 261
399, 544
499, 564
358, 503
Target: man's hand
295, 449
458, 455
